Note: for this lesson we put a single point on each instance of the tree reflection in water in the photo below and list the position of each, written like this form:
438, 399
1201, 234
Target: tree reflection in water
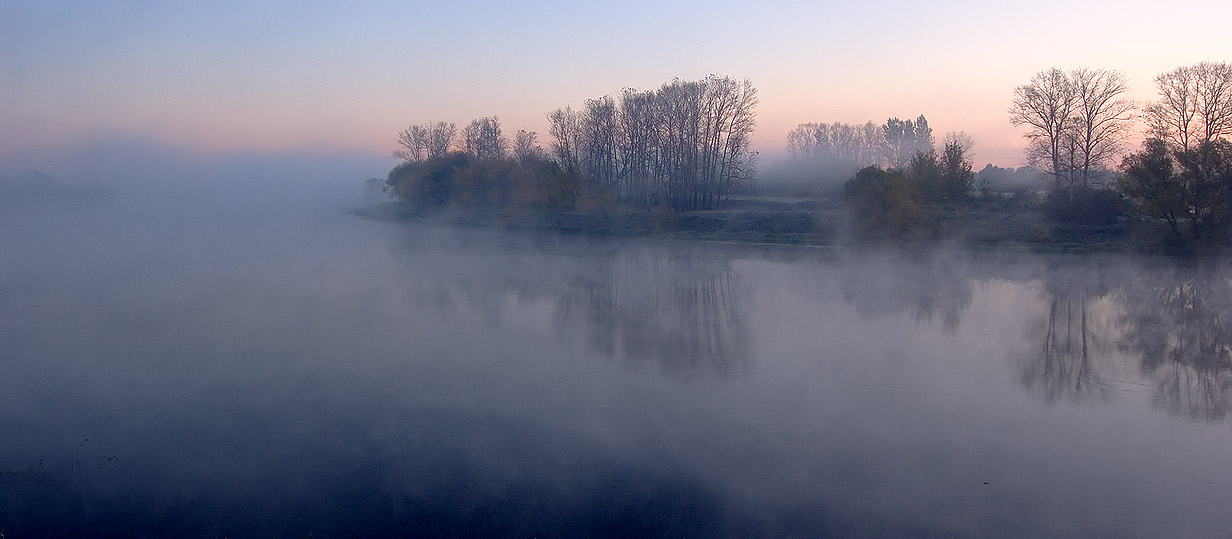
1073, 360
1156, 324
676, 305
1177, 325
681, 310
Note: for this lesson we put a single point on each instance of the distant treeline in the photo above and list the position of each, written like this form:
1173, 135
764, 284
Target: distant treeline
1078, 123
684, 146
891, 144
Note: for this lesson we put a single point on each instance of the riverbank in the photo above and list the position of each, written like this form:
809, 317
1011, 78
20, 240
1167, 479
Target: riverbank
819, 221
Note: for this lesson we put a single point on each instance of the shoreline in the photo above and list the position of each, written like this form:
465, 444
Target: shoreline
813, 222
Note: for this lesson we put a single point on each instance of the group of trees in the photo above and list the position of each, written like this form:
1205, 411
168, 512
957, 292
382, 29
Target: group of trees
899, 199
899, 176
477, 168
891, 144
1076, 121
481, 139
1187, 189
1079, 121
1183, 173
684, 146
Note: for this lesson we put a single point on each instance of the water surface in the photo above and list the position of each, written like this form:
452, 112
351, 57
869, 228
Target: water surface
246, 368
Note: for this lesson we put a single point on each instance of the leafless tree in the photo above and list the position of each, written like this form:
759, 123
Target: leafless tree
526, 146
685, 145
483, 138
563, 125
414, 144
419, 142
1046, 105
1195, 105
1103, 117
905, 138
640, 158
850, 145
442, 137
598, 137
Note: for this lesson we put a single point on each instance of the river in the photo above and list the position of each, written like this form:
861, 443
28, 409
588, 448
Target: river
231, 367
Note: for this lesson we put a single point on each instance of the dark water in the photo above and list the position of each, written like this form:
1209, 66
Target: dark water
247, 368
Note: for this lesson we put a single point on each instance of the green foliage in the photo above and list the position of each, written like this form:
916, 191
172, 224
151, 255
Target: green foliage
925, 173
896, 201
883, 201
429, 182
957, 178
1151, 184
491, 185
1084, 205
1188, 189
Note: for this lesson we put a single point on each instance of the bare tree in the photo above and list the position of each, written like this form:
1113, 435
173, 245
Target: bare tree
685, 145
962, 140
1045, 106
442, 137
1102, 118
483, 138
598, 133
1214, 99
1195, 105
1171, 118
414, 144
419, 142
905, 138
838, 143
526, 146
563, 125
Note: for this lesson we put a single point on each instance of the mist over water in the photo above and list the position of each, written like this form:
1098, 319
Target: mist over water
234, 355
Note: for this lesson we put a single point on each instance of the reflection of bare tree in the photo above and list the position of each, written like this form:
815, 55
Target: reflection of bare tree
682, 312
678, 306
1074, 359
1178, 327
1064, 367
1159, 324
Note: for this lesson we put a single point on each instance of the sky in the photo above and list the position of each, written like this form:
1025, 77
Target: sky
303, 76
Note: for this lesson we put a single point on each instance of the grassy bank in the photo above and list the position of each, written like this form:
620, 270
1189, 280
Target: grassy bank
820, 220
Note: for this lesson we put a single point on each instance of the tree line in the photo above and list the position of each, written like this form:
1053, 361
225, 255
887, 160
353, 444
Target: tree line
684, 146
891, 144
1178, 186
1079, 122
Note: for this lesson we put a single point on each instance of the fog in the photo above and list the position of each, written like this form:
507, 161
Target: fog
215, 347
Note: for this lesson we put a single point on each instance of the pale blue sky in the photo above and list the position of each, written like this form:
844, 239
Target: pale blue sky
266, 76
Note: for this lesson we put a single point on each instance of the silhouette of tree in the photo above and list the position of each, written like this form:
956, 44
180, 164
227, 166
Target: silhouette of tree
420, 142
957, 178
1103, 118
1075, 349
1191, 186
1046, 105
1195, 105
1178, 325
526, 146
483, 139
1150, 183
684, 146
904, 139
564, 127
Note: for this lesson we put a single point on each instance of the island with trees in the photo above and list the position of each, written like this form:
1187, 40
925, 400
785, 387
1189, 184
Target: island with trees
676, 161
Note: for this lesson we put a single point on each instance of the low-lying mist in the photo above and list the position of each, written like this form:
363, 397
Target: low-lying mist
216, 347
